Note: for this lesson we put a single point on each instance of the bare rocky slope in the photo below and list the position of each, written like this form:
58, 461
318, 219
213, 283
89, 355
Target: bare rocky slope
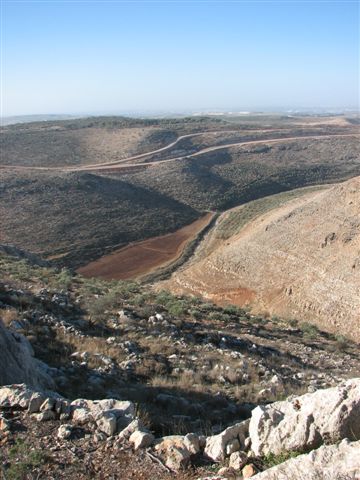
149, 385
300, 261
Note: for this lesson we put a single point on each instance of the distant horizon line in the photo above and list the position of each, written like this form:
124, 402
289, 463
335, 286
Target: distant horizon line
196, 111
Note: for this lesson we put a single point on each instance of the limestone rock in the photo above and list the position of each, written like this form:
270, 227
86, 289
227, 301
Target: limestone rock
48, 404
126, 432
215, 447
45, 416
232, 446
141, 439
64, 432
106, 423
328, 462
81, 415
177, 458
113, 415
4, 425
37, 399
15, 396
214, 477
177, 450
17, 363
192, 443
307, 421
248, 471
237, 460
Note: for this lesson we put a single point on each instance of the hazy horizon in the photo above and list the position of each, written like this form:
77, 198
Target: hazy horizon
103, 58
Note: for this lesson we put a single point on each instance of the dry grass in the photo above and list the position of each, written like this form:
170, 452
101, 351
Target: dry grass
8, 315
214, 371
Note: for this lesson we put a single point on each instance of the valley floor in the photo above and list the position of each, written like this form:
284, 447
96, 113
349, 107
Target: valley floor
141, 258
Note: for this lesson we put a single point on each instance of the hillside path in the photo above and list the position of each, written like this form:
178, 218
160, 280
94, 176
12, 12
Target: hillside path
118, 165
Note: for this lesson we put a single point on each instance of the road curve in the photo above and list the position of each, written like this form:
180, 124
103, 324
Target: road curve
120, 164
208, 150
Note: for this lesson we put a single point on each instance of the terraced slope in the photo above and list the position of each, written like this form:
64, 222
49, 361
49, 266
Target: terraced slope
301, 260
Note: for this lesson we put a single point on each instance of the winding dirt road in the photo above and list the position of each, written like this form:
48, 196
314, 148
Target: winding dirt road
124, 164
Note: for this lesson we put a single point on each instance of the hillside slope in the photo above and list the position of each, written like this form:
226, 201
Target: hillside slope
76, 217
299, 261
186, 369
73, 217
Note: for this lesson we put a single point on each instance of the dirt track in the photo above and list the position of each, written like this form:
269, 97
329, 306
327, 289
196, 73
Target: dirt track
127, 167
141, 258
117, 166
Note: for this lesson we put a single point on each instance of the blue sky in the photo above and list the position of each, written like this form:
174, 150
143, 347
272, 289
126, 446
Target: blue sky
111, 57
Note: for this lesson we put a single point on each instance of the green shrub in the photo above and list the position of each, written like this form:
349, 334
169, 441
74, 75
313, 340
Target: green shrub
24, 460
140, 299
195, 314
63, 279
270, 460
164, 298
98, 307
233, 310
178, 307
219, 316
341, 342
309, 330
293, 322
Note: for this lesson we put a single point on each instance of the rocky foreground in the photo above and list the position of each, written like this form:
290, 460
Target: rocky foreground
313, 436
116, 381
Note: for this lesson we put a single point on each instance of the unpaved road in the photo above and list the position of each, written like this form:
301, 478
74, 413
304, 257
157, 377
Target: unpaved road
119, 165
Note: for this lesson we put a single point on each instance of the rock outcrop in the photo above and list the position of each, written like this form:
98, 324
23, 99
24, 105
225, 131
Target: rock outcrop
17, 363
326, 422
230, 440
328, 462
308, 421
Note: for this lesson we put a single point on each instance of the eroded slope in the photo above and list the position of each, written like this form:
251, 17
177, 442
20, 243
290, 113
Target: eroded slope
299, 261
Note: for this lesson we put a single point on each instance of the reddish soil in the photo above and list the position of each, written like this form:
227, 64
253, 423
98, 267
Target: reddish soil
141, 258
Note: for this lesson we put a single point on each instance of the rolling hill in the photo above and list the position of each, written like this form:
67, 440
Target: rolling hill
51, 205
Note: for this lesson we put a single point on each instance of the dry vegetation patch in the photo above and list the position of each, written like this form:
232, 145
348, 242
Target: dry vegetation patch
189, 365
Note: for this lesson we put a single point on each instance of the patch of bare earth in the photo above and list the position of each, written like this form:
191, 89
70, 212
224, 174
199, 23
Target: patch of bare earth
140, 258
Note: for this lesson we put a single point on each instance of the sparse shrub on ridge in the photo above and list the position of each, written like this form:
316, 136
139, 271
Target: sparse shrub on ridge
309, 329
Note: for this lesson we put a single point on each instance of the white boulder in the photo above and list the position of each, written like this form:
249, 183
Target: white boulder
64, 432
237, 460
141, 439
215, 447
328, 462
106, 423
307, 421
